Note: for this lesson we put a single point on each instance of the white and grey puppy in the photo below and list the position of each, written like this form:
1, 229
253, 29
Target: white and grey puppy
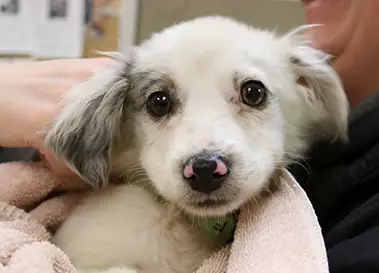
210, 108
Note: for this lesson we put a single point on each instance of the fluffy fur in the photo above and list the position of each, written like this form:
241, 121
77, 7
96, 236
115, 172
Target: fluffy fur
104, 127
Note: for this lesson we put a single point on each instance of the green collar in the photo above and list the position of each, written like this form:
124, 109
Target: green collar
220, 228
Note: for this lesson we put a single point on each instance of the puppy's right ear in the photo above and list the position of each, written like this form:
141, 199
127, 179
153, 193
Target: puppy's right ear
89, 124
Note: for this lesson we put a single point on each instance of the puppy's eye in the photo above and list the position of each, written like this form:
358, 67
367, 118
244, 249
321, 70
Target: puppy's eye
158, 104
253, 93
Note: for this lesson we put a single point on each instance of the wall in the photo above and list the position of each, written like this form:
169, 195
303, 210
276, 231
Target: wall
157, 14
154, 15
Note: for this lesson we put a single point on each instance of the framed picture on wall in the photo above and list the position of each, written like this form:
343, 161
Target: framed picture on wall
10, 7
110, 25
15, 27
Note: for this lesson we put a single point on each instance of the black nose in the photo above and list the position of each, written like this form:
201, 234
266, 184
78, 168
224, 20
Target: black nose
205, 172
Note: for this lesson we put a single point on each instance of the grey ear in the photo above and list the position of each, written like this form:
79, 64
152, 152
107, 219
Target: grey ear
324, 97
89, 124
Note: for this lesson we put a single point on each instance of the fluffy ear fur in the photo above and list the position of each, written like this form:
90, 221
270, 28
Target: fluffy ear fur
325, 100
85, 132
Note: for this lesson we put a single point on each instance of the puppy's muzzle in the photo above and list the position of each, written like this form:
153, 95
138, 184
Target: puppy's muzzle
205, 172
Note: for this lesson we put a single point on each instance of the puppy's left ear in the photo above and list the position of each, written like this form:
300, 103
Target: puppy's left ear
87, 128
324, 98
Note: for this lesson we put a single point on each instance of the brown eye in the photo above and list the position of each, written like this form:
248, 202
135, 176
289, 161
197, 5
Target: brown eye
253, 93
158, 104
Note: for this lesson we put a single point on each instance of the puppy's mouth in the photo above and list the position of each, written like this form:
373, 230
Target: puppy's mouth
209, 203
215, 203
210, 207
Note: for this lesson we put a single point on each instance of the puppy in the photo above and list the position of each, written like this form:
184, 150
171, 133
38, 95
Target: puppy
209, 109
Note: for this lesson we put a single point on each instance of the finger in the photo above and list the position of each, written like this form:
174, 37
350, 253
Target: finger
53, 164
68, 179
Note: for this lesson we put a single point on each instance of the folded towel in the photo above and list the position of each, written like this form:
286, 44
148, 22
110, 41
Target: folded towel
33, 188
278, 234
24, 237
24, 245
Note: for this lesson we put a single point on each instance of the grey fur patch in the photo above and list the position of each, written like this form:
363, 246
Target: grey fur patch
88, 128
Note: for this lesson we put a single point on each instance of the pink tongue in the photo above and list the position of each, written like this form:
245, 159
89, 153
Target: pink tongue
221, 168
188, 171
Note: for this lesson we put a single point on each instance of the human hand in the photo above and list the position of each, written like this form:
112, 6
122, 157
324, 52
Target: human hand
29, 100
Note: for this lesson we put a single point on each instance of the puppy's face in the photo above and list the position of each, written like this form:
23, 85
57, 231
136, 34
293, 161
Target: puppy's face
217, 107
208, 112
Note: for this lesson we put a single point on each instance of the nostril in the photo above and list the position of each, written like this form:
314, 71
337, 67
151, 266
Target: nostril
221, 168
188, 172
218, 176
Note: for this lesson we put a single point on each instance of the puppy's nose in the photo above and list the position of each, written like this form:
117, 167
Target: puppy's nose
205, 172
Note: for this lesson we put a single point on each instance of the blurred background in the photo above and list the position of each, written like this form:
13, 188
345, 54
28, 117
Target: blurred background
45, 29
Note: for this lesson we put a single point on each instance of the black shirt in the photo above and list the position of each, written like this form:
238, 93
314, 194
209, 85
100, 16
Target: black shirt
342, 182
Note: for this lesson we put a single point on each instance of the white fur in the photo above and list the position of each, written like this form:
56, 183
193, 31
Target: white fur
124, 225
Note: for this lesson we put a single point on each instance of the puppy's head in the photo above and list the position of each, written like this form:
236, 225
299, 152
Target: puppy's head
213, 106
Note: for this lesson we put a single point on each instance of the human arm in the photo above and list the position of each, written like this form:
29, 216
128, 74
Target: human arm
29, 97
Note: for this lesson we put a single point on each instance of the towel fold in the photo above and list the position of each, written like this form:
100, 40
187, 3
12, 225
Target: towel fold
24, 237
278, 234
24, 245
